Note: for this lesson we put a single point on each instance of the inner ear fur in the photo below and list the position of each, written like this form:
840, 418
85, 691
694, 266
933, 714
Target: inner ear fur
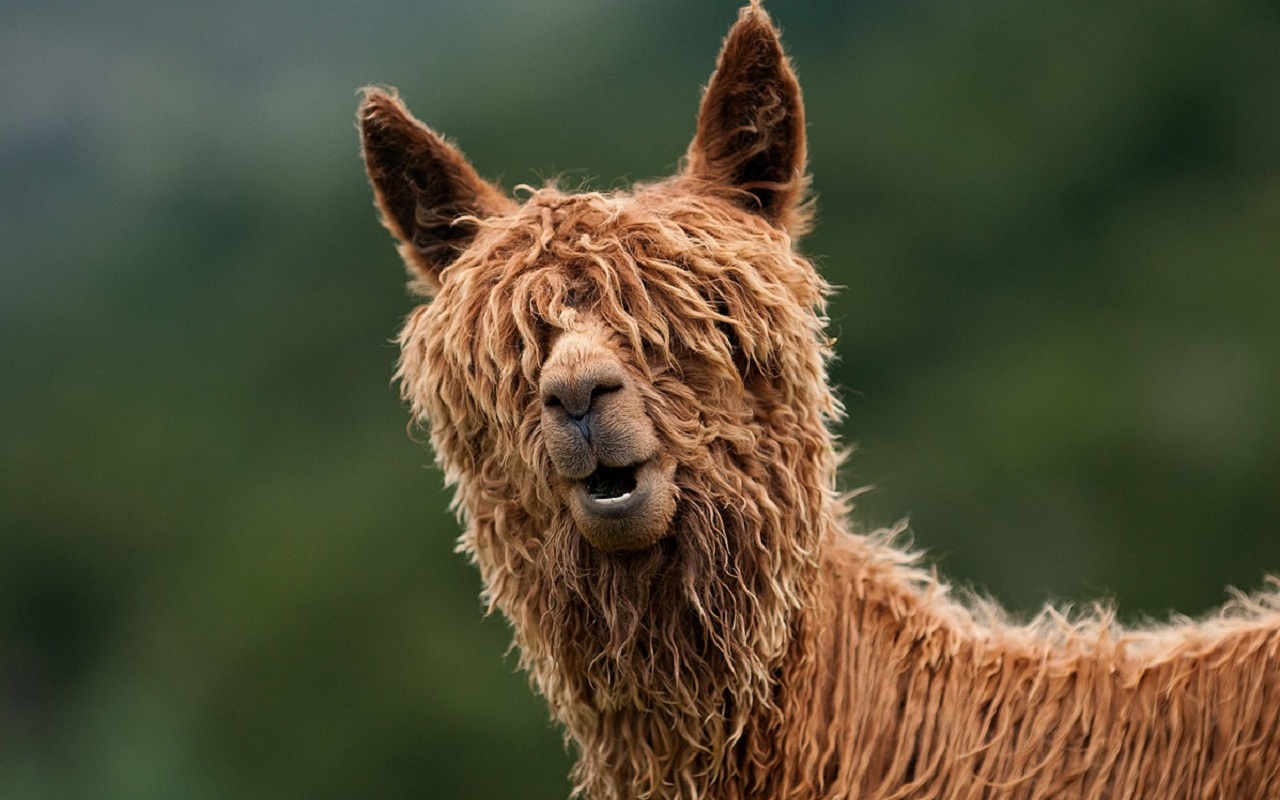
750, 138
423, 185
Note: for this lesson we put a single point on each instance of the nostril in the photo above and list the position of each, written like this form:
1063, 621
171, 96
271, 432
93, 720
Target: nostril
602, 390
577, 397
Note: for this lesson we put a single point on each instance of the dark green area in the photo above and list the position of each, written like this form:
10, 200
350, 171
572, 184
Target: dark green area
224, 571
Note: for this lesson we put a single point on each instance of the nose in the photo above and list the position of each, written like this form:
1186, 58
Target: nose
578, 393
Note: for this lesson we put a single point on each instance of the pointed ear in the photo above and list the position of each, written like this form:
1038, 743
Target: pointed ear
751, 125
423, 186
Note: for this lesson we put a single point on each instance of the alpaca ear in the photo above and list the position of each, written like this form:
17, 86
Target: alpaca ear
750, 134
424, 187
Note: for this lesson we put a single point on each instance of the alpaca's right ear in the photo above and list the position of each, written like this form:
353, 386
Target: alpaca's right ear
427, 192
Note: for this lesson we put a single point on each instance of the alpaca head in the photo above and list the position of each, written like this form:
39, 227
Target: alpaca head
628, 390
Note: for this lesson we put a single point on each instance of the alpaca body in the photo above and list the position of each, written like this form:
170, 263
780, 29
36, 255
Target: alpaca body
902, 692
628, 392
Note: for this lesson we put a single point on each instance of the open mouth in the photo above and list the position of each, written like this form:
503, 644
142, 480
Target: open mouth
617, 493
609, 486
625, 508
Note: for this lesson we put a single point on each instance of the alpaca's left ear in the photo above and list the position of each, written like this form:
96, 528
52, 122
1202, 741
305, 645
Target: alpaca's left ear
750, 136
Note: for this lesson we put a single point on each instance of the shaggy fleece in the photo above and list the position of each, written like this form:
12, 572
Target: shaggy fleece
628, 393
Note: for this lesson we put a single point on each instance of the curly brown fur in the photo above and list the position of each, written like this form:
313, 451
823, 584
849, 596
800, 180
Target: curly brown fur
628, 392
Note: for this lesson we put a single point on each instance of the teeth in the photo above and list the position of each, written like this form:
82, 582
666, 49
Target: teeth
608, 501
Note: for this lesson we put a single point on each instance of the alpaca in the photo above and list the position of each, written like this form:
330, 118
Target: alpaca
628, 393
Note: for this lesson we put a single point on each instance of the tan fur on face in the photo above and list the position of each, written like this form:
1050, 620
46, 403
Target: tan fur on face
730, 638
701, 615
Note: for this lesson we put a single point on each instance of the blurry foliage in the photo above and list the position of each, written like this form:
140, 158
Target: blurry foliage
223, 570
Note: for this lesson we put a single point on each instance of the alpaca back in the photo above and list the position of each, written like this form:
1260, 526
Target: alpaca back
903, 691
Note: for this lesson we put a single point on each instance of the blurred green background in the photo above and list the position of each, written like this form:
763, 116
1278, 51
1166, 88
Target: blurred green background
226, 571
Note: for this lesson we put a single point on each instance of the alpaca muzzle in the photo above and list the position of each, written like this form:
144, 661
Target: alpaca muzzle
616, 482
